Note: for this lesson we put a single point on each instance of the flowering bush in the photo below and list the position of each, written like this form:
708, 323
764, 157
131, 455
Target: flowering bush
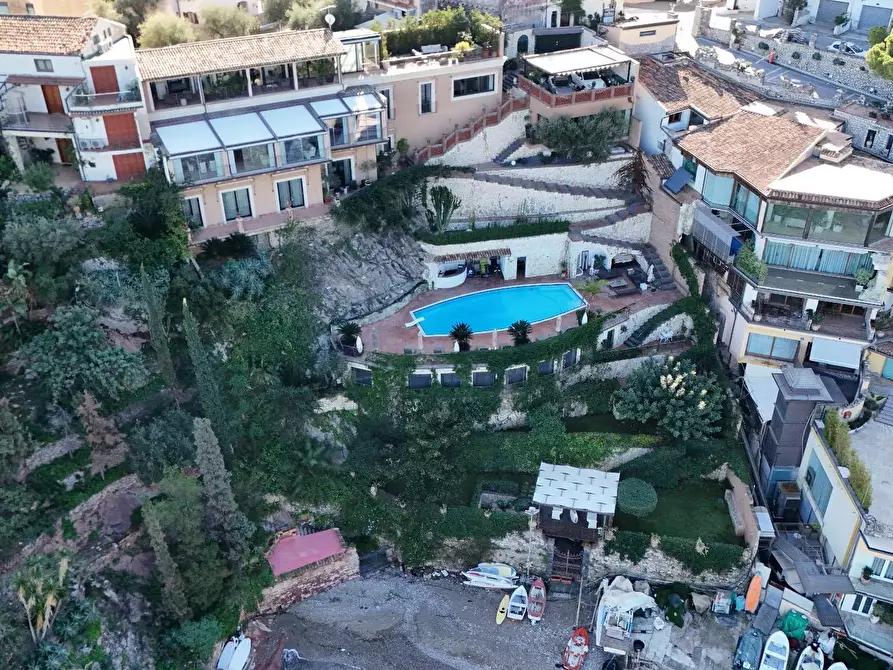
686, 404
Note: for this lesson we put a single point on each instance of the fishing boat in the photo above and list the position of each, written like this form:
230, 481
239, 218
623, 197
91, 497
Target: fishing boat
503, 610
236, 653
811, 658
750, 646
617, 605
485, 580
500, 569
536, 601
518, 604
575, 652
775, 655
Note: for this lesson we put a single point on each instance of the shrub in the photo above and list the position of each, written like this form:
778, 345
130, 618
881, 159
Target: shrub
718, 557
750, 264
636, 497
840, 19
877, 35
763, 46
628, 545
796, 55
585, 139
245, 279
518, 229
817, 56
839, 61
39, 241
38, 177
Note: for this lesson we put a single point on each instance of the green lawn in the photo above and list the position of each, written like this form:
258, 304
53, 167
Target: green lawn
689, 510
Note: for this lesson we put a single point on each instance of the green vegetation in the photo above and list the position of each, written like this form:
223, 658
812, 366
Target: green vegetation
837, 436
443, 26
586, 139
519, 228
636, 497
750, 264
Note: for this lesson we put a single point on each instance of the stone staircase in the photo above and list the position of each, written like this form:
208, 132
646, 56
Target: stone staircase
549, 187
503, 155
885, 416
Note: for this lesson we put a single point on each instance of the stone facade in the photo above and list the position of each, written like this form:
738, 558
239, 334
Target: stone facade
485, 145
635, 229
859, 126
597, 174
612, 370
678, 325
315, 579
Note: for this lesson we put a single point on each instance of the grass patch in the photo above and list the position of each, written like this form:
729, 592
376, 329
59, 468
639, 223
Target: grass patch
691, 510
517, 229
605, 422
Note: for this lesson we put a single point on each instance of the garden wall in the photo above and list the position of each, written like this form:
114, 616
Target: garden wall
595, 175
610, 370
483, 147
677, 325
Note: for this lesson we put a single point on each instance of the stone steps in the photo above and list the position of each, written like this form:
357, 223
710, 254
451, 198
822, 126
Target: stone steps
885, 416
549, 187
508, 151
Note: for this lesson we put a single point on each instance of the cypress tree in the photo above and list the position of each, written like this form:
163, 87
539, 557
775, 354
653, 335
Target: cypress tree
205, 380
225, 522
157, 332
15, 442
174, 598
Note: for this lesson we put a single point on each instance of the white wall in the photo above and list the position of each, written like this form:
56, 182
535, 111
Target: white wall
63, 66
856, 8
486, 144
544, 253
597, 174
104, 166
863, 555
89, 127
764, 9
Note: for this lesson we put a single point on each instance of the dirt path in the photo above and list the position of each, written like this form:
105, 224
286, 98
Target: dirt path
390, 622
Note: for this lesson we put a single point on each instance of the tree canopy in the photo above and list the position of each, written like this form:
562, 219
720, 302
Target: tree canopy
586, 139
164, 30
880, 58
219, 22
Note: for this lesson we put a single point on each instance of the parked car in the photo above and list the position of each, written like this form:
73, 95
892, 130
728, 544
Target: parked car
848, 48
587, 80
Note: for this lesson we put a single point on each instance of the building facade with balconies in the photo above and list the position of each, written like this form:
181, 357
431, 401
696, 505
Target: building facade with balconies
69, 91
263, 129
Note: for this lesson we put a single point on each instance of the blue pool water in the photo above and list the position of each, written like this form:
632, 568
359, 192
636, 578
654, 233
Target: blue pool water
499, 308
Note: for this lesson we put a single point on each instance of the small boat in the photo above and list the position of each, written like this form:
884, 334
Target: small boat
837, 666
615, 613
536, 600
775, 655
484, 580
575, 652
503, 610
747, 655
752, 599
500, 569
518, 604
811, 658
236, 653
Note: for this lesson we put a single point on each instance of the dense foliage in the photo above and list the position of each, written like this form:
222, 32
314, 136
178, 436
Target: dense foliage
837, 436
443, 26
519, 228
636, 497
880, 57
586, 139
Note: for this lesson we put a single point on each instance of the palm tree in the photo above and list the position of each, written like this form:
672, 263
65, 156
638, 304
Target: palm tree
349, 333
462, 334
520, 332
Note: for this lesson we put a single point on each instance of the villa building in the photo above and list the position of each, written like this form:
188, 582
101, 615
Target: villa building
46, 7
69, 92
259, 128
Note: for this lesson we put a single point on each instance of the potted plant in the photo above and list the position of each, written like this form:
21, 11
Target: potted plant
815, 319
867, 572
863, 277
461, 49
462, 334
348, 333
564, 268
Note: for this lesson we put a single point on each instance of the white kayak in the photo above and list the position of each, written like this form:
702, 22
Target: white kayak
484, 580
500, 569
837, 666
235, 655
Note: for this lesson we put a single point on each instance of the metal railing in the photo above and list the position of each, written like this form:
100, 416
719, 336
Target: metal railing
102, 143
82, 96
575, 97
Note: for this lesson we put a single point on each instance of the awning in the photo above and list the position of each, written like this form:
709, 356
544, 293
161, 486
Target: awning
473, 255
188, 138
762, 388
677, 180
585, 59
241, 130
841, 354
329, 107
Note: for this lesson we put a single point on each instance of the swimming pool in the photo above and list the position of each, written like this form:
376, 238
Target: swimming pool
499, 308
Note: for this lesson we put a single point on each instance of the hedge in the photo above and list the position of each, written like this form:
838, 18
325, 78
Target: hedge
720, 556
518, 229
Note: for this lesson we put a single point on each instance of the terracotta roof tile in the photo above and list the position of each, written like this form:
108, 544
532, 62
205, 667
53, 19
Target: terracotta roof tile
684, 84
661, 165
51, 35
759, 149
236, 53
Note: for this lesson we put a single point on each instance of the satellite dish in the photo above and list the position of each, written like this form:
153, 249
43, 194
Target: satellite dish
330, 20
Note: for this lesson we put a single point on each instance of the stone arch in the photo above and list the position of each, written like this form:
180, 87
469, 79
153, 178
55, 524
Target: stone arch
523, 44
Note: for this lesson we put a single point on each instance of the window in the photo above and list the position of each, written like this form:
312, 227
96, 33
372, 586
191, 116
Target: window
834, 226
300, 150
786, 220
880, 228
570, 358
647, 33
717, 190
889, 143
367, 127
200, 167
192, 210
767, 346
30, 8
675, 117
4, 8
516, 375
361, 376
236, 204
819, 484
337, 131
862, 604
690, 166
882, 569
869, 138
250, 159
474, 85
426, 97
746, 203
386, 92
449, 380
359, 56
43, 64
814, 258
291, 193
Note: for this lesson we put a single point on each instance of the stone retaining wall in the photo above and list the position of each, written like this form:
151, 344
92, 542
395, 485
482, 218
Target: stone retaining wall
595, 175
486, 144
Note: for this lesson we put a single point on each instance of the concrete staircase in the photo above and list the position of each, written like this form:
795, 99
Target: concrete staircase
503, 155
885, 416
549, 187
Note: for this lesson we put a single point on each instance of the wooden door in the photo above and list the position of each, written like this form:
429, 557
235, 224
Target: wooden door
53, 99
121, 130
128, 166
104, 79
66, 151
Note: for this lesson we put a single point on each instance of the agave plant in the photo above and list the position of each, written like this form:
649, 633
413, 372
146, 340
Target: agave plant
349, 332
462, 334
520, 332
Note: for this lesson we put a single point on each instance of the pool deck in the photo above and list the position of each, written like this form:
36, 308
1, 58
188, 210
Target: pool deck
390, 335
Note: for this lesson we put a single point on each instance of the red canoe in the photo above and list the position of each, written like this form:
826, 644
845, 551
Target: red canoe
576, 650
536, 600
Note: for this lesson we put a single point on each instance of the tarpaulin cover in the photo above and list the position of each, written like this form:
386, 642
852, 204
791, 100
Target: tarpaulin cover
793, 624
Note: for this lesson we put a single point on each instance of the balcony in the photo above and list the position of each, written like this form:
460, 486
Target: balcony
83, 99
782, 316
878, 636
35, 122
568, 97
103, 144
812, 284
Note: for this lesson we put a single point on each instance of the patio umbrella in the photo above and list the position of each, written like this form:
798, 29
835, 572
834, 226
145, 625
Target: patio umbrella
495, 336
585, 318
650, 273
359, 344
421, 341
558, 324
456, 347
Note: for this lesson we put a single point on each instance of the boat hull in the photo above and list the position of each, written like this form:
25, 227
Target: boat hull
536, 600
518, 604
776, 652
576, 650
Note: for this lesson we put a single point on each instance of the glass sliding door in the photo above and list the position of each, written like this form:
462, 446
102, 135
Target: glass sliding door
236, 204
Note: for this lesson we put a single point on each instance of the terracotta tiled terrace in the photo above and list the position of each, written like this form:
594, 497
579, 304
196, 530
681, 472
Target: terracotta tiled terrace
392, 336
